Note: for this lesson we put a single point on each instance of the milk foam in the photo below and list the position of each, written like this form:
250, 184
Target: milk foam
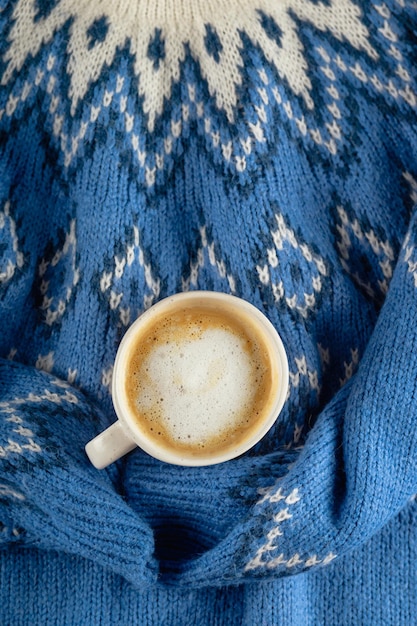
197, 387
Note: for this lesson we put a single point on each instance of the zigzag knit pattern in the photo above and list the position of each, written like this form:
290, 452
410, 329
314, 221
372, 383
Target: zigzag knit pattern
259, 148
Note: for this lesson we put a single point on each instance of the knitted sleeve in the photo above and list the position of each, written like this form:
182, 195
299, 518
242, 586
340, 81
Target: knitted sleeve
50, 495
358, 467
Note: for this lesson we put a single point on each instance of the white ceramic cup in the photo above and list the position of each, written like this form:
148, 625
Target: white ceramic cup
126, 433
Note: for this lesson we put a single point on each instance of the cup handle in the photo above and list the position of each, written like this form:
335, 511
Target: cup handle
109, 446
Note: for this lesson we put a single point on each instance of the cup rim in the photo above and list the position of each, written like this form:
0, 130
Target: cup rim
182, 457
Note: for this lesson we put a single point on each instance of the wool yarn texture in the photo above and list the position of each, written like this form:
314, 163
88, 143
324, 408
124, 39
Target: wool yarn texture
261, 148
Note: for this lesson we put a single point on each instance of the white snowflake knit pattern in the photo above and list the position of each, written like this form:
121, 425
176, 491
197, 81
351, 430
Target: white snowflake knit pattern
159, 32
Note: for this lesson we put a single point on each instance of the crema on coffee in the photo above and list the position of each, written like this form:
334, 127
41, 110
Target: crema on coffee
199, 379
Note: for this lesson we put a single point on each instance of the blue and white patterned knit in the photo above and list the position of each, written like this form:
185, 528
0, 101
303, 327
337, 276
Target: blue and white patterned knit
263, 148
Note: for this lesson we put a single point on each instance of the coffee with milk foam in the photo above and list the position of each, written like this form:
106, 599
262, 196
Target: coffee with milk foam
199, 379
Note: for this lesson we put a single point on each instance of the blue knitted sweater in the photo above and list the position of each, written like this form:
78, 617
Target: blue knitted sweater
264, 148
